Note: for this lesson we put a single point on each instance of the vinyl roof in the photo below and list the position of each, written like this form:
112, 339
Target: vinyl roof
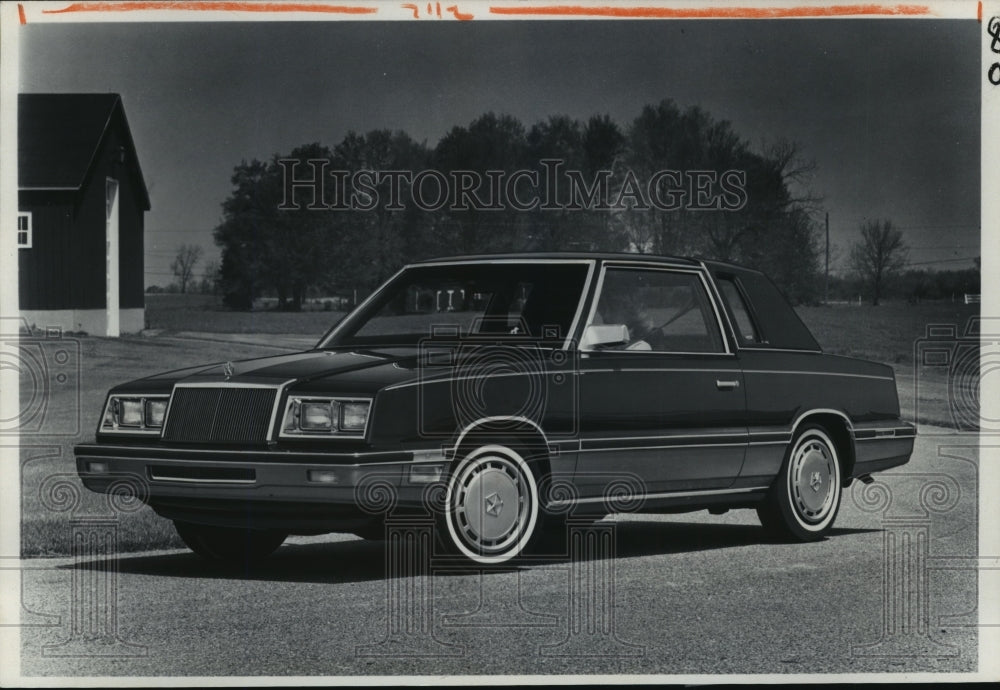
589, 256
567, 256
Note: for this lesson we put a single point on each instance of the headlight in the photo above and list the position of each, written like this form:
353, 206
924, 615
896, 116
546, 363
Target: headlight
353, 416
317, 416
130, 414
310, 415
154, 412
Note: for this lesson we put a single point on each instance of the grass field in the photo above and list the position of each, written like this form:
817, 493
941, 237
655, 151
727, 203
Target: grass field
890, 333
174, 312
886, 333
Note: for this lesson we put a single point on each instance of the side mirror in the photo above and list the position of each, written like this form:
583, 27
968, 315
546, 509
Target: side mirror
596, 336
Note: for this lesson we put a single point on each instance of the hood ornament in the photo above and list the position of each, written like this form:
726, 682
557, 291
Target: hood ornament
228, 370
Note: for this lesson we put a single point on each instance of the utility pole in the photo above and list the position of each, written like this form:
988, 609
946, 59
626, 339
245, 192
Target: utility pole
826, 280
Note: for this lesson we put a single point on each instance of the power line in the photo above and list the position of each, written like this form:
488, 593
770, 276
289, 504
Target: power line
170, 254
935, 227
941, 261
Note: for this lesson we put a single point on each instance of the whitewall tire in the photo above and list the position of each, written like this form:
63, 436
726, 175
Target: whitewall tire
803, 501
491, 506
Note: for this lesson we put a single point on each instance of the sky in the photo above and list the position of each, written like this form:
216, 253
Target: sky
887, 109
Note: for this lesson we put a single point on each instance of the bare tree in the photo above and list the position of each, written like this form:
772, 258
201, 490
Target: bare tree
210, 278
879, 255
184, 263
797, 172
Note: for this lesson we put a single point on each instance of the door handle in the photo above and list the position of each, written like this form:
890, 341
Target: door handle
726, 385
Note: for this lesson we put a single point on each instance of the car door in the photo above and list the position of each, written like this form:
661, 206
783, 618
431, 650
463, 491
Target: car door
665, 405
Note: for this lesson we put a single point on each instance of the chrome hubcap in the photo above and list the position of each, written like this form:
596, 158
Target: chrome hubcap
491, 504
811, 480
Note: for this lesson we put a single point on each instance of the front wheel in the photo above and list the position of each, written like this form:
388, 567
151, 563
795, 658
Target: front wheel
229, 543
491, 507
803, 501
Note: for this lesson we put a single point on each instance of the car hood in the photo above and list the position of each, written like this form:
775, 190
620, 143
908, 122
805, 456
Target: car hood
357, 370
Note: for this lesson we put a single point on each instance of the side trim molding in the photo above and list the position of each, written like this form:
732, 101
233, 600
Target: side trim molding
665, 494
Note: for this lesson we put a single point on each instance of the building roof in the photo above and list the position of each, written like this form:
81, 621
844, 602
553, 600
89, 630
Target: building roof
60, 134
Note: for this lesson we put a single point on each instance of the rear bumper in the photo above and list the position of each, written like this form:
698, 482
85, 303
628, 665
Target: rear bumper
878, 448
275, 487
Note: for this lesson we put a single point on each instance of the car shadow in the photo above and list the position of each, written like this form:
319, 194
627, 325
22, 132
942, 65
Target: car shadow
360, 561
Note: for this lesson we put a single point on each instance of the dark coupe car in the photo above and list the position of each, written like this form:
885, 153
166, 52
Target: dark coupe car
527, 389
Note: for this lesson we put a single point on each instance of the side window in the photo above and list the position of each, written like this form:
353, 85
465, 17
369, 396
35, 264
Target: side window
24, 230
662, 310
746, 332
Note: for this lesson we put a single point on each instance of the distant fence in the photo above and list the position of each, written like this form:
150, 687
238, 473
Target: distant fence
967, 298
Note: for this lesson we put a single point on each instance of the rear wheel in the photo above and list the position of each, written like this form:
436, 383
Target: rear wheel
229, 543
803, 501
492, 505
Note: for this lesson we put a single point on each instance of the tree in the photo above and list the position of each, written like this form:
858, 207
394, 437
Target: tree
301, 240
878, 256
603, 144
786, 248
210, 278
265, 247
184, 263
367, 246
601, 187
491, 142
558, 138
247, 234
753, 210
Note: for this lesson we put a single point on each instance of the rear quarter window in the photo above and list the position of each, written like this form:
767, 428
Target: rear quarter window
746, 331
779, 325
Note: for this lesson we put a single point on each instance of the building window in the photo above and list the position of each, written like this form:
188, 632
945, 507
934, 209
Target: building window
24, 230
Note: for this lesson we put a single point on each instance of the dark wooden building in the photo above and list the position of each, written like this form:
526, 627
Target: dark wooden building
81, 200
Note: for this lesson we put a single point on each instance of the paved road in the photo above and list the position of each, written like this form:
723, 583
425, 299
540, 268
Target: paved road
690, 593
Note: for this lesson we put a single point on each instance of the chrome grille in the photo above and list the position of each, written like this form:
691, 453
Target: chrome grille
219, 415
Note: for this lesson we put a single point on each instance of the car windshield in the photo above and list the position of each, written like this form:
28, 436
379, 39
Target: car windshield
527, 302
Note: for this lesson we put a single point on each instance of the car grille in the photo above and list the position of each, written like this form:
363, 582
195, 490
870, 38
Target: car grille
219, 415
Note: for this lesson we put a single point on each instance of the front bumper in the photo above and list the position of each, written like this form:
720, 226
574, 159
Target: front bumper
354, 484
